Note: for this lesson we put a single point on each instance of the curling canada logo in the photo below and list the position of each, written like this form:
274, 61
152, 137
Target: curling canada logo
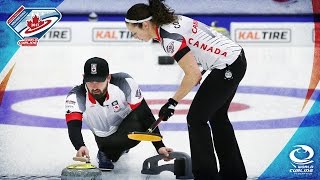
30, 24
301, 160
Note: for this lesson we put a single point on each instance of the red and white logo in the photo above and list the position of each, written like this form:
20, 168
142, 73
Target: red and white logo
93, 68
115, 106
30, 24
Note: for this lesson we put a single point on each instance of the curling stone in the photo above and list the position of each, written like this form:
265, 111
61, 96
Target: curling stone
84, 171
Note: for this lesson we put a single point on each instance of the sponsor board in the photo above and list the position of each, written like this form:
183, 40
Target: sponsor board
112, 35
273, 33
89, 33
263, 35
58, 35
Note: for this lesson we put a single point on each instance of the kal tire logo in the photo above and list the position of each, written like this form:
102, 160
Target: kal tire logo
301, 160
30, 24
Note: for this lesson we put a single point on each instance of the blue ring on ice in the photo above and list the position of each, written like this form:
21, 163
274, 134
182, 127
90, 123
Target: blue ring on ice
12, 117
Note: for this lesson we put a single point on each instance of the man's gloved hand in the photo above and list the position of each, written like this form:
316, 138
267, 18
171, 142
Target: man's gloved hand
167, 110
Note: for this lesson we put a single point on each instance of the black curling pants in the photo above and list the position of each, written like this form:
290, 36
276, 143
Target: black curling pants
211, 104
140, 120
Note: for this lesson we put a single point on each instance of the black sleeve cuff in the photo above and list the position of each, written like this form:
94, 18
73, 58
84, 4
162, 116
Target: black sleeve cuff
158, 144
181, 53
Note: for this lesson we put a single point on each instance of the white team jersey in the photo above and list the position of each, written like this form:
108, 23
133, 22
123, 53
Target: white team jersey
211, 49
122, 97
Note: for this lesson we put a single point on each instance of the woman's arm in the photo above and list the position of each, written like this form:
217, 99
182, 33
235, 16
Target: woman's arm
192, 76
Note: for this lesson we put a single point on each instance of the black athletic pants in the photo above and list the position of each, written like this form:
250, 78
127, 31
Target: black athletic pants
138, 120
211, 104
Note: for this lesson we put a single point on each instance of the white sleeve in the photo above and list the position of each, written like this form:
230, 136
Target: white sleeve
71, 104
135, 95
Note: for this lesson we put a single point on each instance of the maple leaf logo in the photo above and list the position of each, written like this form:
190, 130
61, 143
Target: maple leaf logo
35, 22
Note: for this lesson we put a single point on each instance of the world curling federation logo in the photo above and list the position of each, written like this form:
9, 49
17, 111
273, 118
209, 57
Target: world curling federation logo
301, 160
30, 24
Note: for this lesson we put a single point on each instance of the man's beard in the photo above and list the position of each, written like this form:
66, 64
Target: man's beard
101, 94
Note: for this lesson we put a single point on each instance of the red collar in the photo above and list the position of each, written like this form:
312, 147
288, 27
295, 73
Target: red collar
107, 95
158, 38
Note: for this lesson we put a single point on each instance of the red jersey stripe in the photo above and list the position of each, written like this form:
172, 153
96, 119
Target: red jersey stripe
134, 106
183, 44
74, 116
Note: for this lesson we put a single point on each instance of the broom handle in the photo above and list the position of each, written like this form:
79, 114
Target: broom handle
154, 125
157, 122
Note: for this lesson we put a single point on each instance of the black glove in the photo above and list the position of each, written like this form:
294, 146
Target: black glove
167, 110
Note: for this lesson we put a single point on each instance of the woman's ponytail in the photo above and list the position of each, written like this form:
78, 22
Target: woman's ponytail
161, 13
